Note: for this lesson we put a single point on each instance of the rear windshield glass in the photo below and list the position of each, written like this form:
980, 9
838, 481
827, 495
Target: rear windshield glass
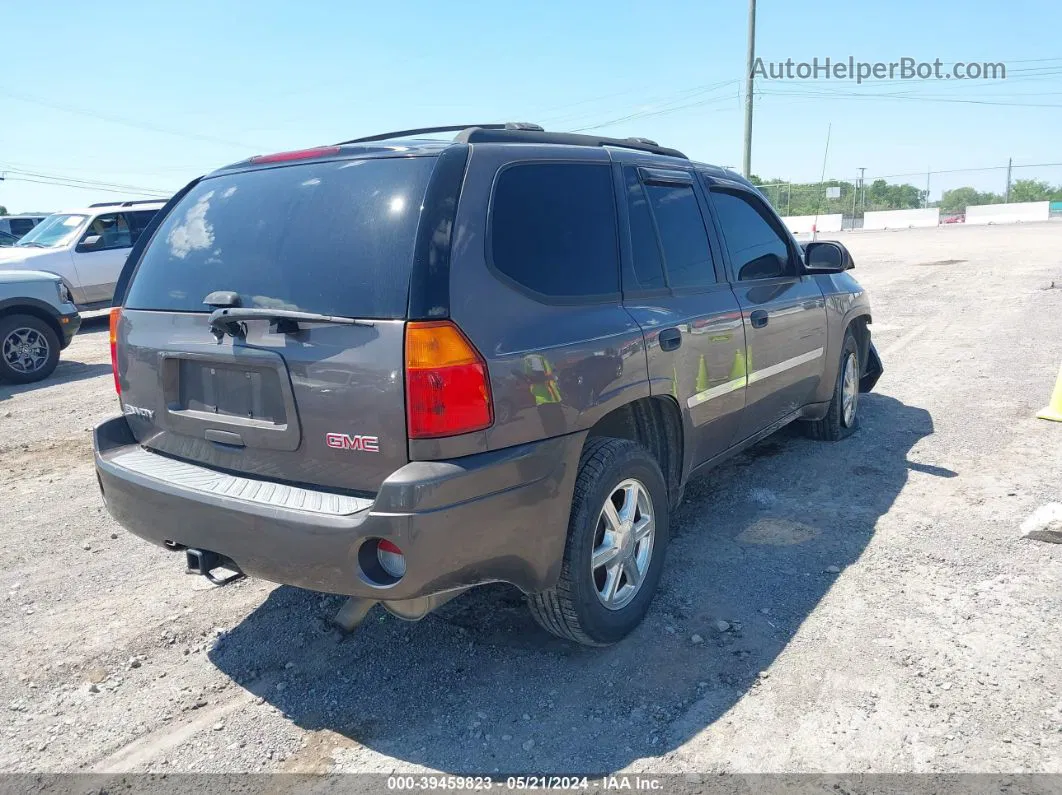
333, 237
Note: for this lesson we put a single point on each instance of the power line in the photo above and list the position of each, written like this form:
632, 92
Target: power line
125, 122
86, 187
854, 95
644, 114
91, 183
966, 170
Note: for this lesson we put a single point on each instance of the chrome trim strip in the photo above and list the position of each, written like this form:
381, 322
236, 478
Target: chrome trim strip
716, 391
757, 375
788, 364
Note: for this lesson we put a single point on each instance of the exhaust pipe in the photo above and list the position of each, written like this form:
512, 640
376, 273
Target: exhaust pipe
203, 561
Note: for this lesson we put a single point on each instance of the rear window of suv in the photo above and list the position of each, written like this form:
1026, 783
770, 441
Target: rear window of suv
333, 237
553, 229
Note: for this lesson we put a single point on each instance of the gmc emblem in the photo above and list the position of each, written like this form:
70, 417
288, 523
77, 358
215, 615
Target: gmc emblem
343, 441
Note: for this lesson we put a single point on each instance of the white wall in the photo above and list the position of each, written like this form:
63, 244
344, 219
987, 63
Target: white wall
801, 224
1008, 213
901, 219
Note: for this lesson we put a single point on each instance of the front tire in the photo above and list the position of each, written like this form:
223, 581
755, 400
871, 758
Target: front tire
29, 349
842, 418
614, 554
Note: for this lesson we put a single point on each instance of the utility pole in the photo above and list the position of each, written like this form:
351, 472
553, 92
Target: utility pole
862, 189
746, 151
925, 202
1010, 165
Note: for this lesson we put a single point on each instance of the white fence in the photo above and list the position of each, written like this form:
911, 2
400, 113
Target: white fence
901, 219
1008, 213
802, 224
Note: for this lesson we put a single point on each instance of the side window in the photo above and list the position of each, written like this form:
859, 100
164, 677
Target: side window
756, 250
683, 237
138, 221
645, 246
553, 229
20, 226
112, 229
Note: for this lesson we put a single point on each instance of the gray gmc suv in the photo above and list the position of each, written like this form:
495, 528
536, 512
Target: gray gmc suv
398, 367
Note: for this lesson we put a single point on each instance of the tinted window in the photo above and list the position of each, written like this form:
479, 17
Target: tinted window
112, 229
645, 247
682, 234
138, 221
553, 228
756, 250
332, 237
20, 226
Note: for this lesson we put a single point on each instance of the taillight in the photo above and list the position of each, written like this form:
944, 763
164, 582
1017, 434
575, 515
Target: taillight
299, 154
447, 388
116, 316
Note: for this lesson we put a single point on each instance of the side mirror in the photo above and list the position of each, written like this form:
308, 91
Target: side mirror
91, 243
826, 256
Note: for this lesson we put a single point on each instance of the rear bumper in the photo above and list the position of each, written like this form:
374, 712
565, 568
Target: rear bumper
498, 516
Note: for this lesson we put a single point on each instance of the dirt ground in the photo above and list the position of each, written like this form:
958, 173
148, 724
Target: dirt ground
882, 612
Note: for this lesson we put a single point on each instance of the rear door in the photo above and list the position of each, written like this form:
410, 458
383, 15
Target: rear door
675, 287
319, 404
783, 311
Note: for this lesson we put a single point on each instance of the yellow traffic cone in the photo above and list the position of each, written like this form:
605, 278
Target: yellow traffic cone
702, 376
1053, 411
739, 369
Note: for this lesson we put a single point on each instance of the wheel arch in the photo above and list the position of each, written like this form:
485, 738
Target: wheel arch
656, 424
26, 307
858, 319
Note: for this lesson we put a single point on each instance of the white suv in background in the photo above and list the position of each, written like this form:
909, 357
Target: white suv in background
87, 248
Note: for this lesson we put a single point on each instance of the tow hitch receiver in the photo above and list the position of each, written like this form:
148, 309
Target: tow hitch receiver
203, 561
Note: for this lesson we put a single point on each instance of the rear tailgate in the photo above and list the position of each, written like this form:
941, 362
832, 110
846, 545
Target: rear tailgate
319, 404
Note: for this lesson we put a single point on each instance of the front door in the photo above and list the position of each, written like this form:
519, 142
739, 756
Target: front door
783, 311
675, 288
100, 255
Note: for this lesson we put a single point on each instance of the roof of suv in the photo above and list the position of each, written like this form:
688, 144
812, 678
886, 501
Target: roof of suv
409, 142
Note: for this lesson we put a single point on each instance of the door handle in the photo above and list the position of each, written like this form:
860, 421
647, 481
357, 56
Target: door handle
670, 339
759, 318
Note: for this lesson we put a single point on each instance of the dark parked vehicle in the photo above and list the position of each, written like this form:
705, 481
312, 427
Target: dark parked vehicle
396, 368
37, 321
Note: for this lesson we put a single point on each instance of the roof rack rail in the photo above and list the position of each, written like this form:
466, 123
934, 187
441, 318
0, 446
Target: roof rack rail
513, 125
128, 203
522, 132
540, 136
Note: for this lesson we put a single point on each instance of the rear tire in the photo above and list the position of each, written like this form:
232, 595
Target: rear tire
842, 418
29, 349
597, 606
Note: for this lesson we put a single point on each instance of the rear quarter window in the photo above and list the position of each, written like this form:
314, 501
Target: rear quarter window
553, 229
333, 237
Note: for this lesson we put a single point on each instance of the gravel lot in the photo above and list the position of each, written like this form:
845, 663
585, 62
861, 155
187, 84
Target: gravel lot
865, 606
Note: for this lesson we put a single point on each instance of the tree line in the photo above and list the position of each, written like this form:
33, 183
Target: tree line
811, 198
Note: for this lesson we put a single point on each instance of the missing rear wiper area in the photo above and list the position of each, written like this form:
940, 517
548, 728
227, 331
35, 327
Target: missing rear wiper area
232, 320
